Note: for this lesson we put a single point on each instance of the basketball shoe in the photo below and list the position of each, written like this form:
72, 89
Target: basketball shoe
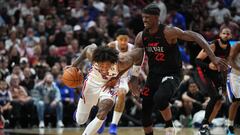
113, 129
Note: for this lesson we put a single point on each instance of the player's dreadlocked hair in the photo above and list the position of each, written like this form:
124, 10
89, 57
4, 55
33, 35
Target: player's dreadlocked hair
105, 53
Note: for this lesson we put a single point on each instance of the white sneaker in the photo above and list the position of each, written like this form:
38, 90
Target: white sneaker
60, 124
177, 124
170, 131
41, 124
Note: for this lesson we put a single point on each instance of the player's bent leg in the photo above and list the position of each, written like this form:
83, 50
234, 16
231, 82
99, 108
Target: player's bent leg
105, 106
82, 112
215, 111
119, 107
120, 103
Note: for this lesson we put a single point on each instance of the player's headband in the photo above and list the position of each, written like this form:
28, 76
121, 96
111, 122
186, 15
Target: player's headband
151, 9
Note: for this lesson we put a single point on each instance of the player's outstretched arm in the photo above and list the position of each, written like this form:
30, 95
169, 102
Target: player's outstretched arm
176, 33
86, 53
126, 61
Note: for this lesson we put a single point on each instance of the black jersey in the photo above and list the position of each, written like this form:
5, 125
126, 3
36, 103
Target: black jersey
219, 52
163, 58
222, 53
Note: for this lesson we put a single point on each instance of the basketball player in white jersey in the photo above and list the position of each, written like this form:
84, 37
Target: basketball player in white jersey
106, 65
122, 46
233, 86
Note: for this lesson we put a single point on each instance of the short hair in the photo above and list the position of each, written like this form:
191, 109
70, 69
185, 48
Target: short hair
152, 9
122, 31
105, 53
225, 27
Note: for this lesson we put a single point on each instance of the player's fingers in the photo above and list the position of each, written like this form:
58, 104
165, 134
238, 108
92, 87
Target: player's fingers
224, 63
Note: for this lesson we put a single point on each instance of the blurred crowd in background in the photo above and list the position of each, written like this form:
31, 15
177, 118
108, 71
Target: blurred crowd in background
38, 38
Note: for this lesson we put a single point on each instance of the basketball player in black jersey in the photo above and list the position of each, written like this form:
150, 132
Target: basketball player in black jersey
214, 79
159, 42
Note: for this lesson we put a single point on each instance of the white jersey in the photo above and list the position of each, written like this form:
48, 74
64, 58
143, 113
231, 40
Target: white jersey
93, 91
237, 60
233, 81
95, 78
130, 48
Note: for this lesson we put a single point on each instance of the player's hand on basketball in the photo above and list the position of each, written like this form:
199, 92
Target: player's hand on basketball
212, 66
66, 67
134, 86
111, 83
221, 64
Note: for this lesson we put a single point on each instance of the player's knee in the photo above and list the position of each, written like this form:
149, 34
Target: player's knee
236, 103
81, 119
161, 102
121, 93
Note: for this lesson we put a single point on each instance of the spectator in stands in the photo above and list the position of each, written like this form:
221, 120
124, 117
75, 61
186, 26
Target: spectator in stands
219, 13
4, 71
13, 56
236, 4
28, 81
47, 99
5, 103
77, 11
231, 25
163, 9
175, 18
13, 40
30, 39
193, 100
16, 70
22, 100
52, 56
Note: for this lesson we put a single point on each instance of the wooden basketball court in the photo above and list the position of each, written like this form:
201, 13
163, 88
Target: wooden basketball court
122, 131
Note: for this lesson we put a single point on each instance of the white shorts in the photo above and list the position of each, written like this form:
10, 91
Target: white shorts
90, 96
233, 85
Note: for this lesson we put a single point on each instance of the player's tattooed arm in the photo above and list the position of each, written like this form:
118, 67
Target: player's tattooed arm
86, 53
130, 58
125, 62
138, 40
173, 33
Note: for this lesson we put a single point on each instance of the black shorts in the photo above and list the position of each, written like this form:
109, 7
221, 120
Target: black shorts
157, 94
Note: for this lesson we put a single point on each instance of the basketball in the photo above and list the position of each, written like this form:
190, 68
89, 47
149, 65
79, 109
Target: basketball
72, 77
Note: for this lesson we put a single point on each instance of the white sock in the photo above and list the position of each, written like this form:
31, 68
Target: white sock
116, 117
229, 123
93, 127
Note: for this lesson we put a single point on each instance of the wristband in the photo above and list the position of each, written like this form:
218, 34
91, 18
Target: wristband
136, 70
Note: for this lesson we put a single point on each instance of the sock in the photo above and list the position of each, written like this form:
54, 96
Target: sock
229, 123
116, 117
93, 127
168, 124
151, 133
205, 122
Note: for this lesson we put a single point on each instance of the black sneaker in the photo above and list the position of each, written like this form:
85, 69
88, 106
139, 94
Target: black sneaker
204, 131
230, 130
